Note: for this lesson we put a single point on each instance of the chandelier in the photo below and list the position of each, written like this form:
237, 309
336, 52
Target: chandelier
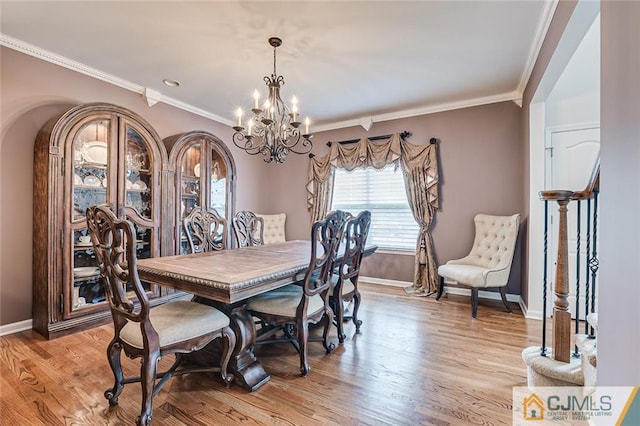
275, 129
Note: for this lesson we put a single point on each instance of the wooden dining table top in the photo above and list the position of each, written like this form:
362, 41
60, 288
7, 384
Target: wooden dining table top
232, 275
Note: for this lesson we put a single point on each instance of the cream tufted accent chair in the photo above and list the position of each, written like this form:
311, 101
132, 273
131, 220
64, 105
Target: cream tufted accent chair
273, 227
489, 263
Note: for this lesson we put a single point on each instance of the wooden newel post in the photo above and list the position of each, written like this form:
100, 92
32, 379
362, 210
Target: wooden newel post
561, 314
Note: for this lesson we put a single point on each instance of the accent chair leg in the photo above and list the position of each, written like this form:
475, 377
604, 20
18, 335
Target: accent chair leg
440, 288
503, 294
474, 302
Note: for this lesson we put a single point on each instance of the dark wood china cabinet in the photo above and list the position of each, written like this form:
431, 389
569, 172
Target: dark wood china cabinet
94, 153
202, 173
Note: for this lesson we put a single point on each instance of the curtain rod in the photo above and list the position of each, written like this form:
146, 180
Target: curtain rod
403, 135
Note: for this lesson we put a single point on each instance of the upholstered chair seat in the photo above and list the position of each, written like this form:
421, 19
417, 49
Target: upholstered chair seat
284, 302
489, 262
175, 322
347, 286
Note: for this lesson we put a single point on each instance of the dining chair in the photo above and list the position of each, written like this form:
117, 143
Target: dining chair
248, 228
177, 328
488, 264
206, 230
292, 308
345, 277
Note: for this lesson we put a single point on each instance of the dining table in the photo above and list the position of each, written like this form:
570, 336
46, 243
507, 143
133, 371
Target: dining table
225, 279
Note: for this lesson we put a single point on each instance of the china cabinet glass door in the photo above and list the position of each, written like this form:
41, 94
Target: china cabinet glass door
90, 185
204, 173
112, 164
218, 190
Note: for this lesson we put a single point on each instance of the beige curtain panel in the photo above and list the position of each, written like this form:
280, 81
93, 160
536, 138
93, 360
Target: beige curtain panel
420, 169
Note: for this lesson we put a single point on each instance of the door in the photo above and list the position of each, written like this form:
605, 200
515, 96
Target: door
572, 155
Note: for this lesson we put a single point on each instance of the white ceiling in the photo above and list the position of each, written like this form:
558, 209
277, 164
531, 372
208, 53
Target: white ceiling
344, 61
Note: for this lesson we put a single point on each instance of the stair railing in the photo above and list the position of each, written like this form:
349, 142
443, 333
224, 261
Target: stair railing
561, 325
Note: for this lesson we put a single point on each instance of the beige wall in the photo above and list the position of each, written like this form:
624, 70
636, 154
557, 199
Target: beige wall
554, 34
480, 152
619, 294
33, 91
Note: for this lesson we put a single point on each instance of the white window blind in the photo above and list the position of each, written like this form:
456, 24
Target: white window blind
382, 193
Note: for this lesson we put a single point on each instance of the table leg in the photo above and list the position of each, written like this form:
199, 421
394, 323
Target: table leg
247, 370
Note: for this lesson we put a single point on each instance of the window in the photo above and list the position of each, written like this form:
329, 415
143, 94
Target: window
382, 193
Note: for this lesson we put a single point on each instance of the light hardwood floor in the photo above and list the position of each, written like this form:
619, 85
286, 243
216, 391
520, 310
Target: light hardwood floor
416, 361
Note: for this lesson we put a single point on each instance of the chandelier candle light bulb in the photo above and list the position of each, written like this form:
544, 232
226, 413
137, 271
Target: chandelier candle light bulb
239, 114
273, 131
256, 97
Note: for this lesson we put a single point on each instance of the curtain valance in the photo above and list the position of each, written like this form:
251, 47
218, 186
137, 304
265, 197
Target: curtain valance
420, 169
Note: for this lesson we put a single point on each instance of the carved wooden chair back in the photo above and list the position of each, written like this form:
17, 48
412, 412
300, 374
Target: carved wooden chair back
346, 279
178, 327
205, 230
248, 228
114, 243
327, 233
354, 240
292, 308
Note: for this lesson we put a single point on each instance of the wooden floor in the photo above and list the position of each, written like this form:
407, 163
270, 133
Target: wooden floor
416, 361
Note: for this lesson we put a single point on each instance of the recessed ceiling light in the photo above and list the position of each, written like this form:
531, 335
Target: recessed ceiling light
171, 83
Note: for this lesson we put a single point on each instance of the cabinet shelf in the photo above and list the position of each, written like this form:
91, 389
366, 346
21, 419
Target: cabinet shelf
90, 188
79, 165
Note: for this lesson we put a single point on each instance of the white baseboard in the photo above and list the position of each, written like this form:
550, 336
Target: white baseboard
382, 281
16, 327
492, 295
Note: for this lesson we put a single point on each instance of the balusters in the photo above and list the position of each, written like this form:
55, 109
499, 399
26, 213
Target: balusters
543, 349
561, 313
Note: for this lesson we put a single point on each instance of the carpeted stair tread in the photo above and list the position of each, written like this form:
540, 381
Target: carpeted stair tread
549, 372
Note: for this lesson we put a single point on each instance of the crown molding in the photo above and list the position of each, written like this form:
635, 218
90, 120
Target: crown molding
45, 55
515, 96
430, 109
62, 61
541, 32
